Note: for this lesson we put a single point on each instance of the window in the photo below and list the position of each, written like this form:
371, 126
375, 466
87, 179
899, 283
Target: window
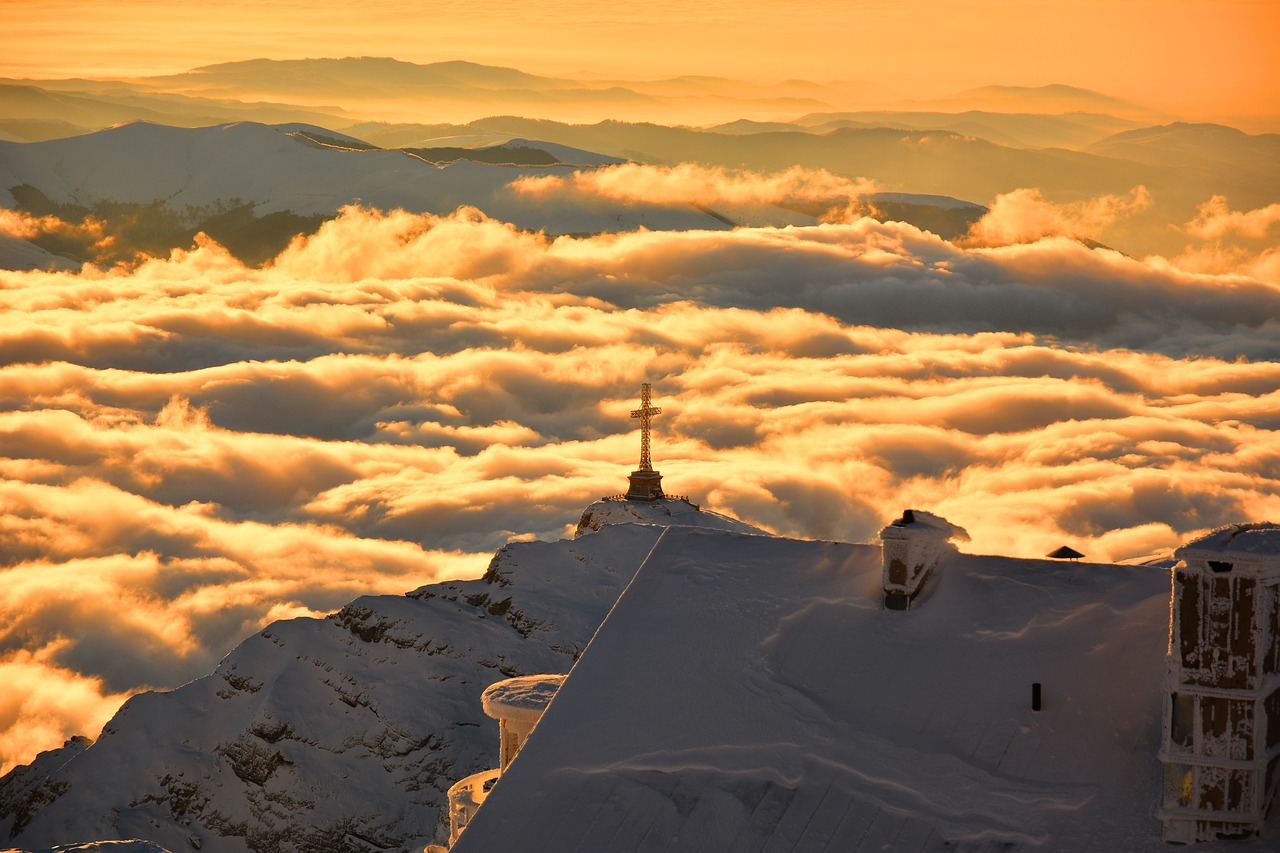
1177, 785
1182, 720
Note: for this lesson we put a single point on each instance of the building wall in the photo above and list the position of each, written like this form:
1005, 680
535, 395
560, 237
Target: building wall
1222, 704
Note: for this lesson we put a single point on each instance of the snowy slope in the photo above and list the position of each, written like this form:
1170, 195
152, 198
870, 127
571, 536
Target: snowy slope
800, 715
18, 254
337, 734
942, 202
564, 153
668, 512
195, 169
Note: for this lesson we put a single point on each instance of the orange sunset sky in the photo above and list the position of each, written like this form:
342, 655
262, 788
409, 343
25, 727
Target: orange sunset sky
1195, 58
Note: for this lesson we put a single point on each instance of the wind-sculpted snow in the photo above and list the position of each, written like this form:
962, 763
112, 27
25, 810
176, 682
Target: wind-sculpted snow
334, 734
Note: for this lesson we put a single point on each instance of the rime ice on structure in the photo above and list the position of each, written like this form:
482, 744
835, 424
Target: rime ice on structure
1221, 718
517, 704
911, 548
646, 483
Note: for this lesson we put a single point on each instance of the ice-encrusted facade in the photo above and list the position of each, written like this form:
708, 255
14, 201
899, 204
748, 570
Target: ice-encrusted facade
517, 704
912, 546
1221, 720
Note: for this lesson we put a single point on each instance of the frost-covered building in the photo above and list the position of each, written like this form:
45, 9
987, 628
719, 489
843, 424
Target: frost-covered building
755, 693
517, 704
1221, 725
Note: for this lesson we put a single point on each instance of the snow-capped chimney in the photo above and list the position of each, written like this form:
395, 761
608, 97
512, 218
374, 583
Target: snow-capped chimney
1221, 722
912, 546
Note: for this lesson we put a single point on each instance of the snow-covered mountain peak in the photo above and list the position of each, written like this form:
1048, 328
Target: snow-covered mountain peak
664, 512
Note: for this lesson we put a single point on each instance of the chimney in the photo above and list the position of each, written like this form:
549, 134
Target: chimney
912, 547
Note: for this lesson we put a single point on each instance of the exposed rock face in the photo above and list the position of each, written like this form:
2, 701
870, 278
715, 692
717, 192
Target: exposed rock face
329, 735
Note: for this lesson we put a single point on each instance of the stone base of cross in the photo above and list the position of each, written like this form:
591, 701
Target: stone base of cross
645, 486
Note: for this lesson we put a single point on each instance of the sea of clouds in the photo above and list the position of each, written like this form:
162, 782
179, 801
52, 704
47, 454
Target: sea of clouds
191, 448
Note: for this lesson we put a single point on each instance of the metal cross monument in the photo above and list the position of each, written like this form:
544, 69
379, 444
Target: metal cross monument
645, 413
645, 484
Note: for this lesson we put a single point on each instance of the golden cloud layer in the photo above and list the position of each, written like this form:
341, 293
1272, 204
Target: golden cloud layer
1024, 216
193, 448
690, 183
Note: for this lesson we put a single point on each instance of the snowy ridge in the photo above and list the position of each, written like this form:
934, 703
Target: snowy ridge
666, 512
192, 170
943, 202
565, 154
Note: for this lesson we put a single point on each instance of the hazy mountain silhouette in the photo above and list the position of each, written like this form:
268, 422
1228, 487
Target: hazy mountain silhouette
1024, 130
1054, 99
381, 87
1205, 146
1172, 164
27, 111
352, 74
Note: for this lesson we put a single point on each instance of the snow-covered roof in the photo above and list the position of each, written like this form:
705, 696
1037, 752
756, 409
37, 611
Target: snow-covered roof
523, 697
1261, 539
750, 693
915, 522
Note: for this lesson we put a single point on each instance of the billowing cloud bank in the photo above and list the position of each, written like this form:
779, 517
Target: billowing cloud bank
193, 448
692, 183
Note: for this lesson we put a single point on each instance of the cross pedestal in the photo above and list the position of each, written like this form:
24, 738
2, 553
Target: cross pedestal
645, 486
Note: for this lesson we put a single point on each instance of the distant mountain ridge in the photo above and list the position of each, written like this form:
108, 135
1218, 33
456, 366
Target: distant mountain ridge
1195, 145
1055, 98
231, 176
384, 88
255, 186
356, 74
37, 113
